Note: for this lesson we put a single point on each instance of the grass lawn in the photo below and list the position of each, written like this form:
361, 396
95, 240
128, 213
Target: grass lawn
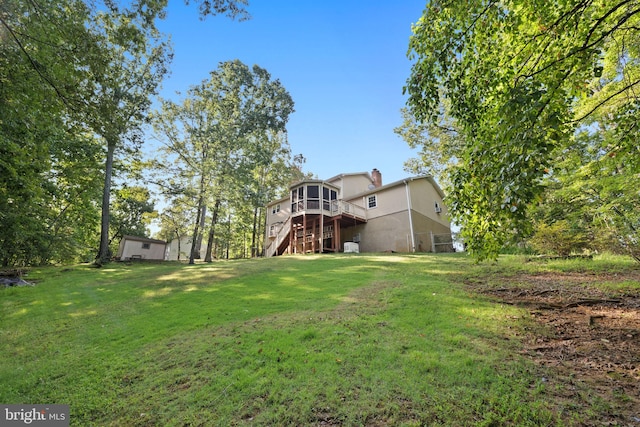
383, 339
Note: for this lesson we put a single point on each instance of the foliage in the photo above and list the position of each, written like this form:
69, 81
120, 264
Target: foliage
175, 219
49, 172
593, 190
557, 239
231, 8
134, 61
224, 142
96, 66
438, 142
519, 78
76, 79
131, 212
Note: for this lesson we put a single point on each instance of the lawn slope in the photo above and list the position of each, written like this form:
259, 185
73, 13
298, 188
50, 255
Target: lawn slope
310, 340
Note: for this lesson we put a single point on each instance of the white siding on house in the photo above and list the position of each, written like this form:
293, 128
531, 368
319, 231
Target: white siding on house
424, 197
385, 233
389, 200
279, 217
350, 184
389, 227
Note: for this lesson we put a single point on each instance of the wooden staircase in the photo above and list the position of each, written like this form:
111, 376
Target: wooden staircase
279, 239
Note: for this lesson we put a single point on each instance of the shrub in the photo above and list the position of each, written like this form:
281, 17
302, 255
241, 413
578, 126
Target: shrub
558, 239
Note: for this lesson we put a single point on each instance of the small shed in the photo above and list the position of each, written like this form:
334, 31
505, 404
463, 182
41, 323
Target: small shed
134, 247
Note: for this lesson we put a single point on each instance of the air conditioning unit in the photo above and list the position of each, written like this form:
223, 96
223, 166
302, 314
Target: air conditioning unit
351, 248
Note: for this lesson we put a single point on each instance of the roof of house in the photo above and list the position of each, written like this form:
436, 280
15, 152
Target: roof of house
317, 181
342, 175
275, 202
400, 182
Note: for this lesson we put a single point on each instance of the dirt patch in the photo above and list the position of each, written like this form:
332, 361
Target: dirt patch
587, 337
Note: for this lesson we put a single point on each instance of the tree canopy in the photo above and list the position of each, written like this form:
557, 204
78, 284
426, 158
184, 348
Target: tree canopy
76, 80
222, 141
522, 80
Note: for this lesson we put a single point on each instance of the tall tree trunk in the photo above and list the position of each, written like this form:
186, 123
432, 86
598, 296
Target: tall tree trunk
179, 244
214, 221
203, 218
261, 231
228, 235
196, 231
103, 251
254, 232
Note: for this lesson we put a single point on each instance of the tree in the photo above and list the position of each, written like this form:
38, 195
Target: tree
188, 155
231, 8
48, 163
592, 189
220, 134
438, 141
74, 184
269, 179
131, 212
125, 80
92, 69
521, 77
71, 70
131, 76
175, 221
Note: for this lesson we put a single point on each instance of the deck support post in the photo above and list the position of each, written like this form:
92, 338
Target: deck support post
304, 233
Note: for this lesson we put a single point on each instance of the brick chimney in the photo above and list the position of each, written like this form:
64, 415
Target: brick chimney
377, 177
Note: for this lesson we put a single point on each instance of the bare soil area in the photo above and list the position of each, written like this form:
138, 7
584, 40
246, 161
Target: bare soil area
588, 339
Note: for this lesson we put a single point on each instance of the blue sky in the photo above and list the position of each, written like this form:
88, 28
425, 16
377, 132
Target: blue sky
343, 62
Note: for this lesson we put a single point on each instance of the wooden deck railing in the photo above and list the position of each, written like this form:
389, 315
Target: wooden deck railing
340, 207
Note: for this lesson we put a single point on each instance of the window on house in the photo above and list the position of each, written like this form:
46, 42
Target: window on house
328, 196
325, 199
301, 199
275, 209
334, 201
294, 200
372, 201
313, 197
146, 246
297, 196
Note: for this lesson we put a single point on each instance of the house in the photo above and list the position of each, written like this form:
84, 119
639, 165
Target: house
134, 247
356, 212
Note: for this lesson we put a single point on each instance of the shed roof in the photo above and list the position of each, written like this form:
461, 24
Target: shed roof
143, 239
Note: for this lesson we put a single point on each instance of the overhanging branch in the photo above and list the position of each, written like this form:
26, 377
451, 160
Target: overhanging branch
34, 64
604, 101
